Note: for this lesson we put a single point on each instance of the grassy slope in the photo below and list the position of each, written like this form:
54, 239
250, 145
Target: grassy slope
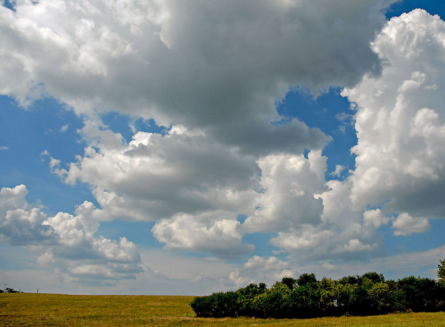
75, 310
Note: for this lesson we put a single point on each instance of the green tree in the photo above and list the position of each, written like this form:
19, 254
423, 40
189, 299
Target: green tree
441, 271
289, 282
306, 279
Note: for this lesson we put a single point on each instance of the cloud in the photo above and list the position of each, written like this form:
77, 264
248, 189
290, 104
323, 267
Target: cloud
64, 128
399, 123
214, 74
338, 170
286, 198
197, 233
67, 242
157, 177
195, 188
259, 269
400, 120
375, 218
217, 66
406, 225
4, 148
396, 265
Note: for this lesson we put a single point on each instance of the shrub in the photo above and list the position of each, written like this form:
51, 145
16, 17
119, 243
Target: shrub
307, 297
270, 304
246, 296
216, 305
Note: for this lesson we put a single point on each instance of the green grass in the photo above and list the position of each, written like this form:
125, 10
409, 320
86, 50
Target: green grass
86, 310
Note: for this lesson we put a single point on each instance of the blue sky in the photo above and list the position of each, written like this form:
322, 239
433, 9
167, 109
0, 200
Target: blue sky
171, 148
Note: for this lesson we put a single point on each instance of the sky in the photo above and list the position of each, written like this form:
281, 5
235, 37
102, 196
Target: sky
187, 147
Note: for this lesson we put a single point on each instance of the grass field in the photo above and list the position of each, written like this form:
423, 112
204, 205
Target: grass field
85, 310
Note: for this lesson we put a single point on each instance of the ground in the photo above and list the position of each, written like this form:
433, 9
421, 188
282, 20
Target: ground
86, 310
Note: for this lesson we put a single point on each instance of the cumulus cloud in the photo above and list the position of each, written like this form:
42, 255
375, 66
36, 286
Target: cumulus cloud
155, 177
195, 188
400, 120
259, 269
66, 242
375, 218
399, 170
220, 66
399, 123
286, 199
396, 265
202, 233
214, 73
338, 170
406, 225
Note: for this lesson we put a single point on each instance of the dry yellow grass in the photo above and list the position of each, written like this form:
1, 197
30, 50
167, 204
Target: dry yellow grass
83, 310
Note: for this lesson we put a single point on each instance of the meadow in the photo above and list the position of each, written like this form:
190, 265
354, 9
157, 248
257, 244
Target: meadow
87, 310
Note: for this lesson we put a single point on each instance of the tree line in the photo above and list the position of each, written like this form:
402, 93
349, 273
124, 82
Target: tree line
9, 290
306, 296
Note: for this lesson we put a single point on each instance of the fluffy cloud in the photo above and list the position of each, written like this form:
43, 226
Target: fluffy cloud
375, 218
261, 269
195, 188
400, 153
19, 222
220, 66
406, 225
66, 241
258, 269
155, 176
216, 235
400, 120
286, 199
338, 170
215, 72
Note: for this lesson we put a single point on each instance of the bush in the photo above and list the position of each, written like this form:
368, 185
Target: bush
216, 305
245, 297
307, 297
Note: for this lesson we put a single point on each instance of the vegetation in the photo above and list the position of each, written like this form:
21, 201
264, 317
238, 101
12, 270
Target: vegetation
441, 271
9, 290
307, 297
74, 310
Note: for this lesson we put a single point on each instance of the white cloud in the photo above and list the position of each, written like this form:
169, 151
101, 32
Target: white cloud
202, 233
338, 170
406, 225
356, 246
195, 187
286, 199
4, 148
399, 123
157, 177
219, 66
216, 74
400, 120
375, 218
395, 266
66, 242
329, 267
64, 128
